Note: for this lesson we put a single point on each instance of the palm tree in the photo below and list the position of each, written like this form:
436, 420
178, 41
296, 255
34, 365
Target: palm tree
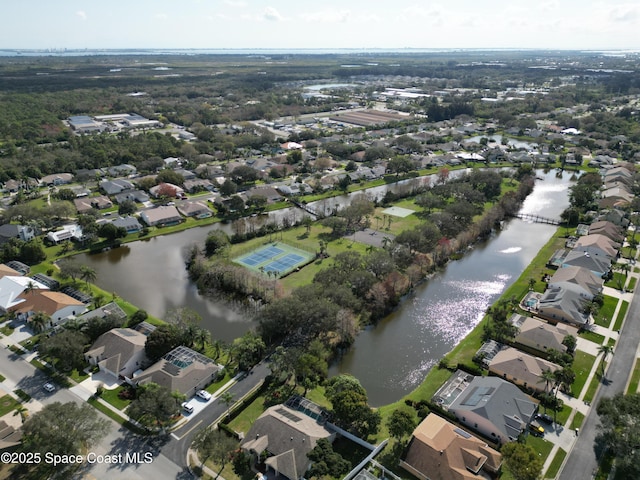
22, 411
547, 376
39, 321
203, 336
605, 350
88, 274
532, 284
227, 398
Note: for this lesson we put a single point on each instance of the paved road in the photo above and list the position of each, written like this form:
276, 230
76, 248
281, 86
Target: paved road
118, 440
582, 461
176, 448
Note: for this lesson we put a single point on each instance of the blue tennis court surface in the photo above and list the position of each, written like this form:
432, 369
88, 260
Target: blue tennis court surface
278, 258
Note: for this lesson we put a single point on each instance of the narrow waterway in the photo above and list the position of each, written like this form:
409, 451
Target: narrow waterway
392, 358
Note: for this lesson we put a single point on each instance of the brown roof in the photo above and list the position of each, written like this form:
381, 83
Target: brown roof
8, 271
46, 301
521, 367
608, 229
441, 451
288, 435
543, 336
600, 241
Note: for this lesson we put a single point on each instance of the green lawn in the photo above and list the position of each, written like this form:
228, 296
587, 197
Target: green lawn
632, 284
7, 403
242, 422
635, 378
621, 314
616, 281
111, 396
582, 364
78, 376
556, 463
592, 336
577, 421
605, 314
593, 386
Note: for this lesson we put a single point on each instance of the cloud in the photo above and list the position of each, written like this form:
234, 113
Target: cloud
235, 3
82, 14
162, 16
327, 16
624, 13
272, 14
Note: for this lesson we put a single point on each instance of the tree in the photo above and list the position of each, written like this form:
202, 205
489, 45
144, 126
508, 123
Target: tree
66, 347
110, 232
244, 174
326, 461
162, 340
227, 398
351, 411
88, 274
62, 429
248, 350
170, 176
605, 351
39, 321
522, 460
155, 406
570, 342
70, 269
138, 317
23, 412
619, 432
228, 188
216, 242
401, 423
212, 443
127, 207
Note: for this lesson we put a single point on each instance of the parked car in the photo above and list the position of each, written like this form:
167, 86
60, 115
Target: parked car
536, 429
49, 387
187, 407
546, 418
204, 395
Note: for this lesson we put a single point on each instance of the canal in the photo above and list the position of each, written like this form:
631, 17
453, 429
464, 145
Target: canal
393, 357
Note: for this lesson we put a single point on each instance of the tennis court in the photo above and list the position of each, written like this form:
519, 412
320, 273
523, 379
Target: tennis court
277, 257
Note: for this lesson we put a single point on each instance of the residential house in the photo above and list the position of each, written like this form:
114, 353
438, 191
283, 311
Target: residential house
86, 204
195, 209
182, 369
566, 303
68, 232
166, 189
583, 277
608, 229
615, 197
270, 193
20, 232
599, 266
198, 184
122, 170
111, 309
161, 216
439, 450
6, 270
139, 196
129, 223
118, 352
186, 174
11, 289
12, 186
597, 245
57, 305
117, 185
521, 368
287, 436
613, 215
57, 179
494, 407
539, 335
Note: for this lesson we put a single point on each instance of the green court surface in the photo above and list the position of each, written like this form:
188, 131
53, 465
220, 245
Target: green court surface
278, 258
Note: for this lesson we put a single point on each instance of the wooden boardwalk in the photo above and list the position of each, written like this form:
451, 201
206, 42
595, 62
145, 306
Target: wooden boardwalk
529, 217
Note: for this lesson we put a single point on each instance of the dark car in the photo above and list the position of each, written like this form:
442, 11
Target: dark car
543, 417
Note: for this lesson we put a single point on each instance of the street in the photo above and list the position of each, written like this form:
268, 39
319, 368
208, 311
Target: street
582, 461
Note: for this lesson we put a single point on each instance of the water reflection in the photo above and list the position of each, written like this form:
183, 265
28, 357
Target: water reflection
392, 358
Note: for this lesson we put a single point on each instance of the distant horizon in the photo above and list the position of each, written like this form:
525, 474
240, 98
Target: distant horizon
573, 25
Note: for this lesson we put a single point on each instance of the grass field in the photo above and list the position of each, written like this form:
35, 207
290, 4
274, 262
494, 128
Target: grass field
635, 378
556, 463
582, 364
621, 314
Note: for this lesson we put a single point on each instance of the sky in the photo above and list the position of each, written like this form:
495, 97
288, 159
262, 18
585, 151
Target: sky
324, 24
